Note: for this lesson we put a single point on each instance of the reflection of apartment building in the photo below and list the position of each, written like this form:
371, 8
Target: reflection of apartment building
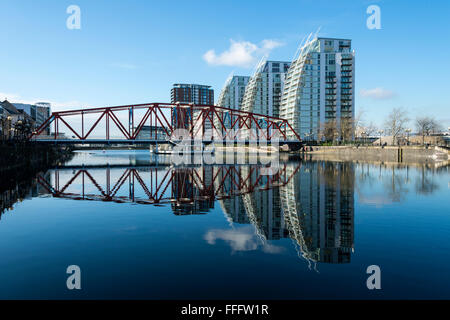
258, 207
232, 205
234, 208
264, 210
319, 208
315, 208
189, 193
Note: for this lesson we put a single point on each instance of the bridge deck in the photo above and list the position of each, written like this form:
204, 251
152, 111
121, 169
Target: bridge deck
154, 142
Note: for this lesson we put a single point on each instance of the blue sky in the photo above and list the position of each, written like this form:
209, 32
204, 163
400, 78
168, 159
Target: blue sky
133, 51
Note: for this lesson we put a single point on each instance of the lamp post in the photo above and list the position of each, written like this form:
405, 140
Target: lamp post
9, 118
407, 135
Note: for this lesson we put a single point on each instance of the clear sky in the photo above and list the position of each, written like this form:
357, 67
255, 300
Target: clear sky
133, 51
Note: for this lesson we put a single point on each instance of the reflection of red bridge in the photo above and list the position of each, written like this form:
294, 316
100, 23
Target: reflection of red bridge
84, 124
159, 185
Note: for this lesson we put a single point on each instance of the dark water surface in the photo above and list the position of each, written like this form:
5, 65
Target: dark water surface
139, 229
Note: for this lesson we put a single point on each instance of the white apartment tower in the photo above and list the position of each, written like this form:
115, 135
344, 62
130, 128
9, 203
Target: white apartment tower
264, 90
233, 92
319, 86
231, 97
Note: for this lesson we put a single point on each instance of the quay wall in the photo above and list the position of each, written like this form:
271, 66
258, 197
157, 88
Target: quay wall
386, 154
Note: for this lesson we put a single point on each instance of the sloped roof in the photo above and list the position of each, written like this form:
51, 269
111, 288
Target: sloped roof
9, 107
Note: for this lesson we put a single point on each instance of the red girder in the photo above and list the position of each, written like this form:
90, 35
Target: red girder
154, 115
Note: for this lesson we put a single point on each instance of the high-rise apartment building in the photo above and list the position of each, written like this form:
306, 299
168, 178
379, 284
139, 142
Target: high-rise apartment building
232, 92
265, 87
319, 87
231, 97
192, 93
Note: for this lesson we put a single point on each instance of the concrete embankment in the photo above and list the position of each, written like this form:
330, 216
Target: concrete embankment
383, 154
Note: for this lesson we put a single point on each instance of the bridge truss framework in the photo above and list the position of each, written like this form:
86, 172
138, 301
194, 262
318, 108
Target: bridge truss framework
166, 118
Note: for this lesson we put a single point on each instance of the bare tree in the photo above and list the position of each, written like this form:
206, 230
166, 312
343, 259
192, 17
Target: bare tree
5, 127
426, 126
371, 129
358, 122
329, 130
346, 130
396, 122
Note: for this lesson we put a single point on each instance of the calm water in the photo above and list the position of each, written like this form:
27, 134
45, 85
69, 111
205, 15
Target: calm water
140, 229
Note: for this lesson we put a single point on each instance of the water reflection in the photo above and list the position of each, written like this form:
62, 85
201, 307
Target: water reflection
397, 181
314, 207
188, 190
319, 211
12, 192
311, 203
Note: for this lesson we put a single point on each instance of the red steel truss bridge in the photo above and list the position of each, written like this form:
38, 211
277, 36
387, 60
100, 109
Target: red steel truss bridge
187, 189
154, 123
